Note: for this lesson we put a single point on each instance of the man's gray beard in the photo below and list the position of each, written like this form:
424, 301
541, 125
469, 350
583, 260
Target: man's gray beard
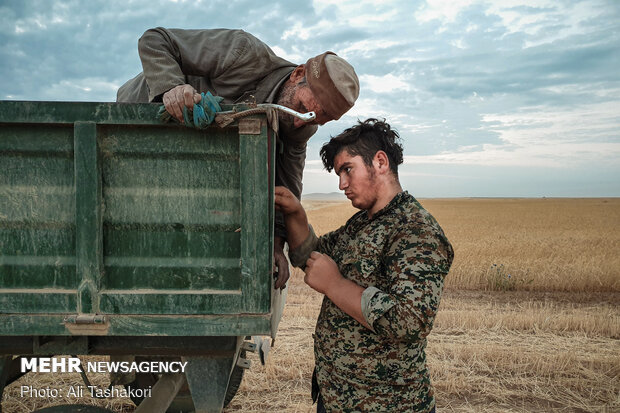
285, 99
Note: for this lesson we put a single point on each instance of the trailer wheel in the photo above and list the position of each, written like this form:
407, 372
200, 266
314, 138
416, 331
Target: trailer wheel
234, 382
74, 408
183, 403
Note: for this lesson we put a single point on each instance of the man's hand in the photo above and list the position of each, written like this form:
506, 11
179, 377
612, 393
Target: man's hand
179, 97
280, 263
287, 202
322, 273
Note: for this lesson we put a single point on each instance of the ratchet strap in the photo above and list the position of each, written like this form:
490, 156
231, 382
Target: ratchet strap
208, 110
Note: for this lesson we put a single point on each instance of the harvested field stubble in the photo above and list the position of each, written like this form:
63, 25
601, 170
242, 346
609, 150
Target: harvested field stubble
551, 345
545, 244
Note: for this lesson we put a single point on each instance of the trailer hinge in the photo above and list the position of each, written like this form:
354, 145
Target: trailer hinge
247, 346
243, 363
85, 319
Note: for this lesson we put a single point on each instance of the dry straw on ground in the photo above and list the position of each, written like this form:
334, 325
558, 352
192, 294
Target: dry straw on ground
546, 340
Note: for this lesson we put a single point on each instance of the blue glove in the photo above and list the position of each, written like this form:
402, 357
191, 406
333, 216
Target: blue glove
203, 112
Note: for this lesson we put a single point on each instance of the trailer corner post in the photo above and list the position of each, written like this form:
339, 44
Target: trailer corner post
88, 218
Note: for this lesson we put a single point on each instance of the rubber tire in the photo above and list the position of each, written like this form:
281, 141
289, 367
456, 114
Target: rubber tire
234, 382
183, 402
73, 408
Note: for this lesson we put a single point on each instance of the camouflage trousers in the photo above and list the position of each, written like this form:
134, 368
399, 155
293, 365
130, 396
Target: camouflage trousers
320, 407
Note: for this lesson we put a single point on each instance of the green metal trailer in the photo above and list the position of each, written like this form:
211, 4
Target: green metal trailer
120, 235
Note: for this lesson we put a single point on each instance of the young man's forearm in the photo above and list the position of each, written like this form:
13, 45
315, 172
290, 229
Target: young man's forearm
347, 296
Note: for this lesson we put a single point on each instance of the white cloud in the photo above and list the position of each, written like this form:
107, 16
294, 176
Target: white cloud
84, 89
534, 125
544, 155
365, 17
359, 6
442, 10
530, 18
459, 43
290, 56
567, 20
369, 47
298, 31
542, 137
383, 84
364, 107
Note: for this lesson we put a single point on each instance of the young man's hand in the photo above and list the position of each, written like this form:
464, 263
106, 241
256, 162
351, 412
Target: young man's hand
323, 275
322, 272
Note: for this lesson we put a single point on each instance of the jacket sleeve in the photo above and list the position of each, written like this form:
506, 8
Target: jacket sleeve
229, 58
417, 264
290, 162
325, 244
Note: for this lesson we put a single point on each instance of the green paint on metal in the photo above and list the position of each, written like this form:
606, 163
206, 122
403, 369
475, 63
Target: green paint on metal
24, 301
158, 141
88, 219
173, 274
52, 272
68, 113
178, 241
255, 225
37, 213
143, 325
172, 302
167, 230
57, 240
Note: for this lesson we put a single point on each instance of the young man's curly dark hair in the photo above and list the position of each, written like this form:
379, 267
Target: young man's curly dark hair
365, 139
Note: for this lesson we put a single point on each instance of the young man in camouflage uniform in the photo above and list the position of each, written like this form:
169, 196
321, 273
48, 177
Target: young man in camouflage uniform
382, 274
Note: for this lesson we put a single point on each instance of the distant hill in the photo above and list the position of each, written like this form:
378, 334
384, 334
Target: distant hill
332, 196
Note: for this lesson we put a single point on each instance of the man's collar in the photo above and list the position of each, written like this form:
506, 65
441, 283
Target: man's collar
275, 92
397, 200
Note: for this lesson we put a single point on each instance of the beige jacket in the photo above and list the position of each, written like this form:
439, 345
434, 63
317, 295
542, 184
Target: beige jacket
232, 64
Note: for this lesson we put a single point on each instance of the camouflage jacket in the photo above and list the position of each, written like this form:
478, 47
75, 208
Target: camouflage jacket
401, 256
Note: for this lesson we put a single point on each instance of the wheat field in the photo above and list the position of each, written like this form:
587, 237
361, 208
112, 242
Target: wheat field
529, 320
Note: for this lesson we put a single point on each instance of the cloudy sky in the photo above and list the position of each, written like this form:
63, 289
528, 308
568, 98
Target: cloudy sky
492, 98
